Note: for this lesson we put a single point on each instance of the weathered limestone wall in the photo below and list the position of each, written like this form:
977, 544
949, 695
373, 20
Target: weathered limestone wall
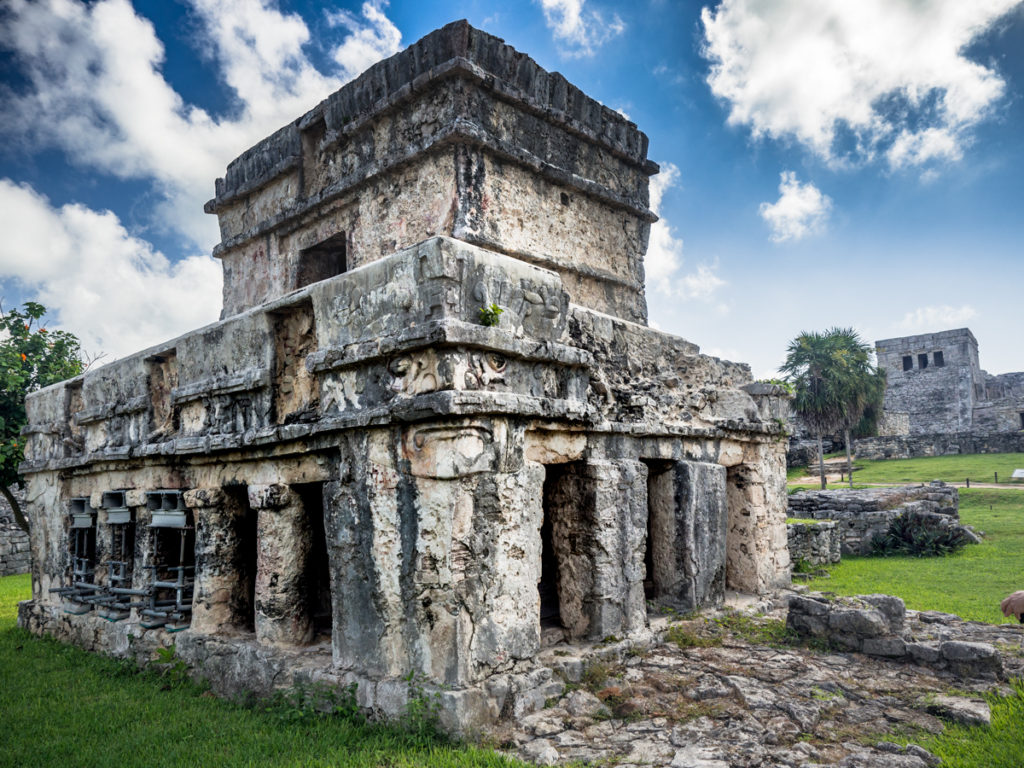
15, 556
458, 135
816, 543
910, 447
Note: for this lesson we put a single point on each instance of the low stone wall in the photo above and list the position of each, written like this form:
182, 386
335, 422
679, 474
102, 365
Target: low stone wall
814, 543
876, 625
15, 556
913, 446
862, 513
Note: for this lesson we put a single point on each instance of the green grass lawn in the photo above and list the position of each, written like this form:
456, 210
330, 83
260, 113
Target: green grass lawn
970, 583
62, 706
978, 467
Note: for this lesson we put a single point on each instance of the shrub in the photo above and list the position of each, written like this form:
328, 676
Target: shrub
911, 534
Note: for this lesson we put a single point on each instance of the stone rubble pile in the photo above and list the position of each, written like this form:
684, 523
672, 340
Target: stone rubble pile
816, 543
876, 626
732, 703
863, 513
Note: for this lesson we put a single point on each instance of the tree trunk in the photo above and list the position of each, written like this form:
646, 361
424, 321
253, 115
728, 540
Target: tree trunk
849, 462
821, 461
19, 518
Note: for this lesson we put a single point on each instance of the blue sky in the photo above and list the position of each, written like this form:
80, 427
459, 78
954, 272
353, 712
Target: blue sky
824, 162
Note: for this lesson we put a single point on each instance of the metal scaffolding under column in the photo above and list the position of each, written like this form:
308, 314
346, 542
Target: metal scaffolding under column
114, 603
81, 589
173, 562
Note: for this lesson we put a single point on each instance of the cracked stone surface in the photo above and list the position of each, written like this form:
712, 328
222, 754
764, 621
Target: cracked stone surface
742, 704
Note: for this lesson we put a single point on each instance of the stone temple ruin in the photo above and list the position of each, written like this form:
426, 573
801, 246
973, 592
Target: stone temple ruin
351, 477
938, 400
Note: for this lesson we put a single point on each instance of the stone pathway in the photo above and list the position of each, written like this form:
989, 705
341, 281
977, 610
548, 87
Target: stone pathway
737, 703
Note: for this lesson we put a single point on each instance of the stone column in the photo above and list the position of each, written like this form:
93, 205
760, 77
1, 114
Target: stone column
599, 519
217, 580
687, 531
757, 556
284, 543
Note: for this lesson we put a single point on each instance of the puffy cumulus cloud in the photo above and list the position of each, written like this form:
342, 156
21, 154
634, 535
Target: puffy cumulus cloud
112, 290
580, 31
664, 260
937, 318
856, 80
371, 38
95, 89
801, 210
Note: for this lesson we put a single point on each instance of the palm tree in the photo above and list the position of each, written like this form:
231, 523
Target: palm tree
834, 381
860, 384
815, 399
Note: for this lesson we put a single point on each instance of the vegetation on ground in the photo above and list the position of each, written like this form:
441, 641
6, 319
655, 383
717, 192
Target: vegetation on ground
64, 706
998, 745
910, 534
970, 583
978, 467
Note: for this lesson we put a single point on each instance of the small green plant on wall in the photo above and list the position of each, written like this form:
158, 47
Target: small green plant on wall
490, 315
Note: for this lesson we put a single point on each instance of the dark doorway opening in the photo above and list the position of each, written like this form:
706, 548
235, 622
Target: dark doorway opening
922, 361
549, 585
658, 553
908, 363
244, 517
318, 568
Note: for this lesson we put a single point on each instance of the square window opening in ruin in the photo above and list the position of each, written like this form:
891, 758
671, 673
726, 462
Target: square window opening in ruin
908, 363
922, 360
243, 557
659, 554
172, 562
321, 261
1022, 419
564, 555
940, 361
295, 389
318, 567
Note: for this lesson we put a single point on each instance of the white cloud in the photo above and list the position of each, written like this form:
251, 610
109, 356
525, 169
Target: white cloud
96, 91
664, 261
581, 31
112, 290
369, 41
855, 80
801, 210
937, 318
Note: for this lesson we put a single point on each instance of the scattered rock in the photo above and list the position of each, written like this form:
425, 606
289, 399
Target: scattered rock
960, 710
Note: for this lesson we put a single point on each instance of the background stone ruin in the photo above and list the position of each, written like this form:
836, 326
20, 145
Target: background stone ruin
938, 400
350, 478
